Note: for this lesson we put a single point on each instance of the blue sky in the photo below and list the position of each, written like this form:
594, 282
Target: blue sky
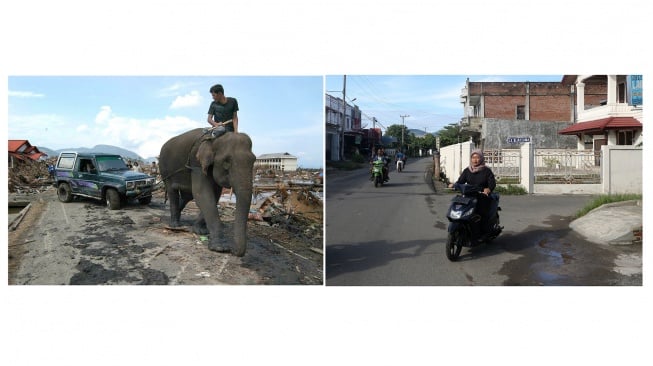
139, 113
430, 101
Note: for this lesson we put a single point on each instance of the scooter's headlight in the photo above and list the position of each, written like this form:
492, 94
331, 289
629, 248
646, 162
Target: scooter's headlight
455, 214
469, 212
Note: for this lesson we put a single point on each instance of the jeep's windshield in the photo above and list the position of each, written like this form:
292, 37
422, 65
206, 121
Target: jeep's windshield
111, 163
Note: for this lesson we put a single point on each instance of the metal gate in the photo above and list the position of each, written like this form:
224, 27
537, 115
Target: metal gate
567, 166
505, 164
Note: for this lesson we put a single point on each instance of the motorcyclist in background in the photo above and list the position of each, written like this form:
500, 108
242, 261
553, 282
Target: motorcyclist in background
480, 175
400, 156
380, 155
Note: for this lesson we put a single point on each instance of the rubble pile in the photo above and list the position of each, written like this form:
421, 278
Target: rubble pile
296, 211
28, 176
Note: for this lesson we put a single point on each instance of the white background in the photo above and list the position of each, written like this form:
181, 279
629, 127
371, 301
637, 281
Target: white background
286, 325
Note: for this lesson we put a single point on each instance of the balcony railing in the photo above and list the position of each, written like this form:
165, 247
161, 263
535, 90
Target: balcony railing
610, 110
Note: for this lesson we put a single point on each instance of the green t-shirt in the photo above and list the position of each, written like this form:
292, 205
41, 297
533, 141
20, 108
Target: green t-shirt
224, 112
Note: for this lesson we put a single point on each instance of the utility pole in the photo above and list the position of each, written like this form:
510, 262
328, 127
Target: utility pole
402, 130
344, 116
373, 142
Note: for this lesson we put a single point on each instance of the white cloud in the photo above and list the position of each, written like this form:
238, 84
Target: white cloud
176, 88
189, 100
25, 94
142, 136
103, 115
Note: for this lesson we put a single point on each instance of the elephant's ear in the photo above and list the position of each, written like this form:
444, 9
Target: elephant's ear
205, 155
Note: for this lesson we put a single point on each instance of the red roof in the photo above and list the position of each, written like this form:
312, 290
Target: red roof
600, 125
22, 149
14, 145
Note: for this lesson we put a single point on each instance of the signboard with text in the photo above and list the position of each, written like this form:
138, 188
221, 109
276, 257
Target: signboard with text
635, 89
518, 139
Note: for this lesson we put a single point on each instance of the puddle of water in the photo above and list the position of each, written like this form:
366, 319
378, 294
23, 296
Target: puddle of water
628, 264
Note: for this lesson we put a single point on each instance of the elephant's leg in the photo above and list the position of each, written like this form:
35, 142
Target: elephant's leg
185, 197
199, 226
207, 200
175, 210
178, 200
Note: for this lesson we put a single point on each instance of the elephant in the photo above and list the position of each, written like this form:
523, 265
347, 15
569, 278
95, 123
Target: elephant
196, 165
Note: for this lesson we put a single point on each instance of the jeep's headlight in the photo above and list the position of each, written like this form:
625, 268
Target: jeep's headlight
131, 185
150, 181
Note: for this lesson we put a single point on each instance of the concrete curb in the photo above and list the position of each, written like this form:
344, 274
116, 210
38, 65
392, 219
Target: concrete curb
618, 223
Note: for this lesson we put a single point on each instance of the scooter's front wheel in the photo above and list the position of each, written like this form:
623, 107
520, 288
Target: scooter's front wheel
454, 245
378, 180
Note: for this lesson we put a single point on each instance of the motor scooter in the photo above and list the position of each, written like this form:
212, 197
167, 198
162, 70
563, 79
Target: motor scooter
400, 165
465, 224
377, 172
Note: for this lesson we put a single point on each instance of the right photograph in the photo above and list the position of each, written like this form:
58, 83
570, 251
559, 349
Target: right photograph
483, 180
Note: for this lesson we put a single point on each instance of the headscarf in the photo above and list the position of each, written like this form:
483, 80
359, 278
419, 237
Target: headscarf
481, 164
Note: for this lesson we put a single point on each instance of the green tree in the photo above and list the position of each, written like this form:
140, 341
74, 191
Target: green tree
428, 141
395, 131
452, 134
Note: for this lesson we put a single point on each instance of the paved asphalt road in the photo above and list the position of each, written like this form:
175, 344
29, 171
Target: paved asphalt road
396, 234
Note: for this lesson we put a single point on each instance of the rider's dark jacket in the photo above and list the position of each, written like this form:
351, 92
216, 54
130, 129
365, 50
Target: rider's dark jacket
483, 178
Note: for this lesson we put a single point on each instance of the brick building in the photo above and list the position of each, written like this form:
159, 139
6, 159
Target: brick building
496, 111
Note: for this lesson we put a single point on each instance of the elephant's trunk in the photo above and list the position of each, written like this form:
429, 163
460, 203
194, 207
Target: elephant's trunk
243, 202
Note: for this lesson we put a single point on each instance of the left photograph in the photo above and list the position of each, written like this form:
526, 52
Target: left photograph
165, 180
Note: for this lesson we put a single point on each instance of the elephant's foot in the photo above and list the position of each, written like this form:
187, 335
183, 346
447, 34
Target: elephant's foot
219, 247
200, 229
175, 223
219, 244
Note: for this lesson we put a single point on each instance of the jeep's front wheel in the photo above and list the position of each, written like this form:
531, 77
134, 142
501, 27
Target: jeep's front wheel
113, 199
65, 193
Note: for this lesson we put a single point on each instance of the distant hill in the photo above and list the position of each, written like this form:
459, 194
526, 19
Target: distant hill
416, 132
109, 149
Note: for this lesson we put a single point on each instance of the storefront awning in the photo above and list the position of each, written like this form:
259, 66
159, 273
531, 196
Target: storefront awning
600, 125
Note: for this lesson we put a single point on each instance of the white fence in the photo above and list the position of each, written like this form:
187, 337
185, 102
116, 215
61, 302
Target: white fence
613, 170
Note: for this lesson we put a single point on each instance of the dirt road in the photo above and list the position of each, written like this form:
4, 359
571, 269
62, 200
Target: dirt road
85, 243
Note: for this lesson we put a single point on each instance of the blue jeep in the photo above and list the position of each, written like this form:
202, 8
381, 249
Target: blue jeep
102, 177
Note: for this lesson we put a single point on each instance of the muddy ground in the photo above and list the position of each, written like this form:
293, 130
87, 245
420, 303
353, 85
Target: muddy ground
85, 243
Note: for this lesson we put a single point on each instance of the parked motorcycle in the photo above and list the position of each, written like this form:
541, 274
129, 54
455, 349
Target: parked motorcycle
377, 172
465, 224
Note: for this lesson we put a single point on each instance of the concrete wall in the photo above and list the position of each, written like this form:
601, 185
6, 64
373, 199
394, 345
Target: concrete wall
455, 158
621, 169
544, 134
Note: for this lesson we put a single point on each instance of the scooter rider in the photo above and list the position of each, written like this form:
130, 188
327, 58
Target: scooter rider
380, 155
400, 156
480, 175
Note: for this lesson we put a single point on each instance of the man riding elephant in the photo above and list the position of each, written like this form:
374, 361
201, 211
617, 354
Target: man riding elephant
195, 165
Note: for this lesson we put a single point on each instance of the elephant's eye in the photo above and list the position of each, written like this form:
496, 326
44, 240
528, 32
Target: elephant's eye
226, 164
